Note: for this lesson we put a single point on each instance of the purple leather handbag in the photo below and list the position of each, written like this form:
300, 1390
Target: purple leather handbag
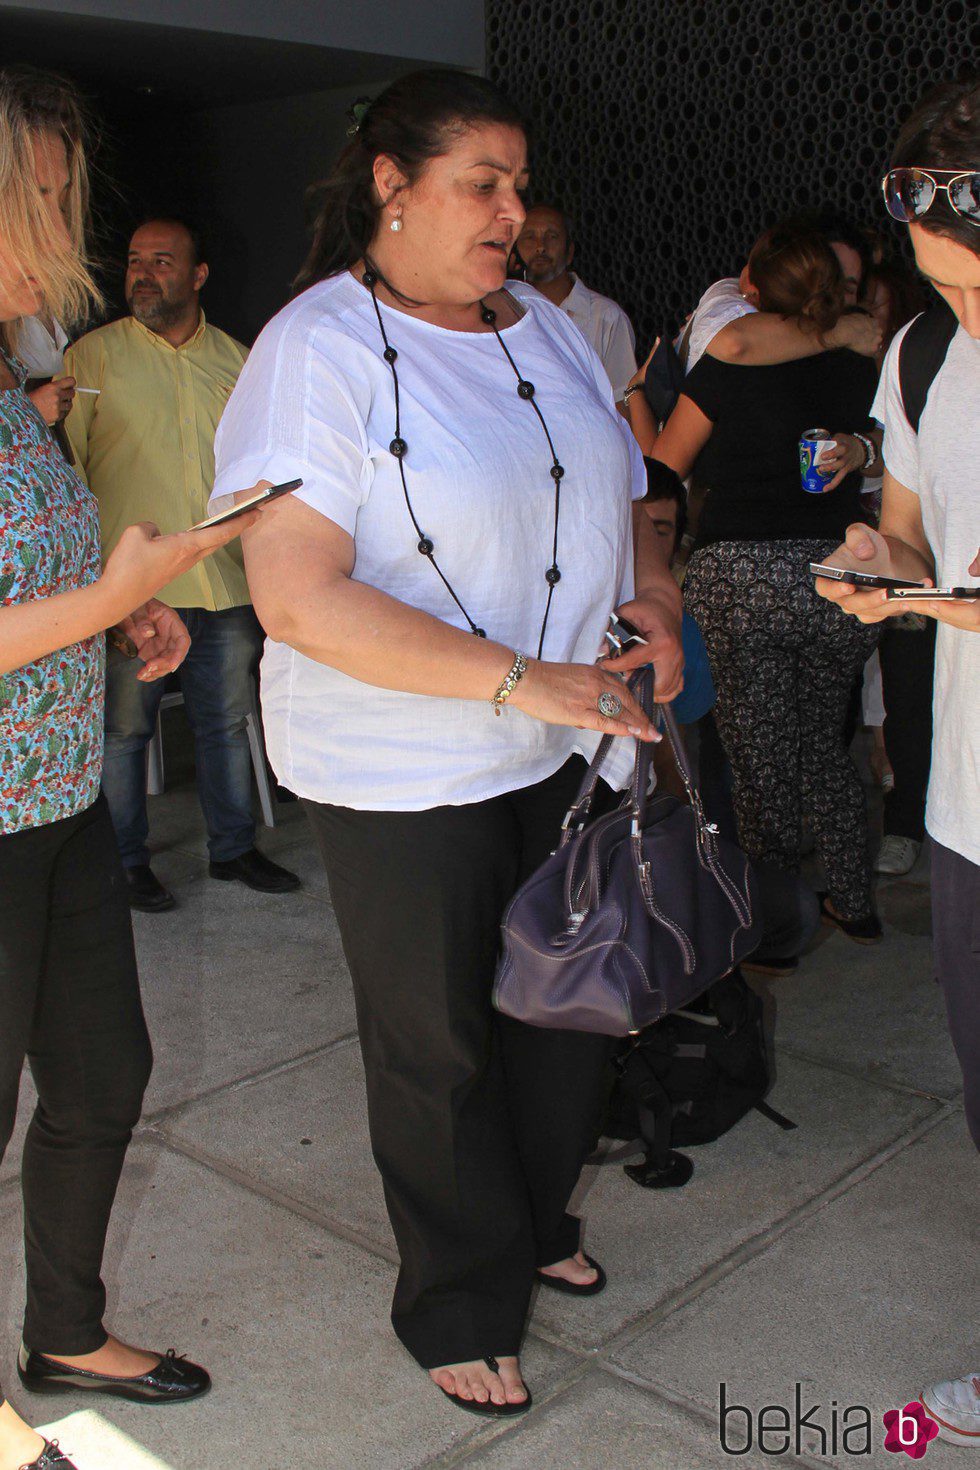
635, 914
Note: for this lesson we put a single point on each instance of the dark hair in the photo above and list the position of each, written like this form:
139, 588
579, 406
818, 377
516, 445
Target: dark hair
838, 227
663, 483
797, 274
562, 214
906, 297
164, 217
943, 132
412, 121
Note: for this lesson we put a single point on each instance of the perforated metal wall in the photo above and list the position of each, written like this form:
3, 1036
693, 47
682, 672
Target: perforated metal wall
675, 132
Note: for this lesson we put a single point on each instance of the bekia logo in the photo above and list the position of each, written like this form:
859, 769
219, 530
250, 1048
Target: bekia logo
778, 1429
909, 1429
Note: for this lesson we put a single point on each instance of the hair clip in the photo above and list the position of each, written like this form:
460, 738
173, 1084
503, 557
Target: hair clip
356, 113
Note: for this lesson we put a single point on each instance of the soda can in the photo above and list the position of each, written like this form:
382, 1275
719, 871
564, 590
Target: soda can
814, 443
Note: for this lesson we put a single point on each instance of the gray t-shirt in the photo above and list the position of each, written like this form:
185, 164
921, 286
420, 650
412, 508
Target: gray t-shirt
941, 464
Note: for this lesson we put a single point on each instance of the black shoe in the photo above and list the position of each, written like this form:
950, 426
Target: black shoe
172, 1381
775, 965
50, 1458
256, 871
572, 1288
865, 930
146, 892
489, 1410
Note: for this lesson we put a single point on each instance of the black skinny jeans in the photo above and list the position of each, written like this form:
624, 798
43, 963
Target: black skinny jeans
70, 1004
479, 1124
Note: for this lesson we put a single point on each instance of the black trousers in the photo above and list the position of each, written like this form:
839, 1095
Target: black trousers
70, 1004
479, 1124
956, 947
908, 657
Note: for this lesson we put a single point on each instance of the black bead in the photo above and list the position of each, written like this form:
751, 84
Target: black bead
552, 576
479, 632
390, 354
426, 547
525, 389
398, 448
370, 279
557, 471
488, 315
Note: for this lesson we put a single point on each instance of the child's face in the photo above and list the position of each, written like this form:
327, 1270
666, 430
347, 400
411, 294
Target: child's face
662, 515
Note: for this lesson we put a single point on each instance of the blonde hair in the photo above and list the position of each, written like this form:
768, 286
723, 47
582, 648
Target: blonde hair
33, 102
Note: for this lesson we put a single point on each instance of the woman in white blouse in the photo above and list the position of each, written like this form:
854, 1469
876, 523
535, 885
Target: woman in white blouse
465, 473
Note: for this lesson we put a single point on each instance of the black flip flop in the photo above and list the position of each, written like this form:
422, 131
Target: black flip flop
572, 1288
489, 1410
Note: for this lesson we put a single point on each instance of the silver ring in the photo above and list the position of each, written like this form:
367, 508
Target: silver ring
609, 705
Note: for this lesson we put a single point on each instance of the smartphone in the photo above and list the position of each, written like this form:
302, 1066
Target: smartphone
271, 492
936, 594
622, 635
858, 579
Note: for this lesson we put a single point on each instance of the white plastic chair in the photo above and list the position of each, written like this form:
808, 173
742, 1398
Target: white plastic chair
253, 729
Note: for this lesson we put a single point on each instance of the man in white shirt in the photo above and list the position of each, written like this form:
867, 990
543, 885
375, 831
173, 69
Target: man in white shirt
930, 528
546, 248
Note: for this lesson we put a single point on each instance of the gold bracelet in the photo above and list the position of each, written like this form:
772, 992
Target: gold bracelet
510, 682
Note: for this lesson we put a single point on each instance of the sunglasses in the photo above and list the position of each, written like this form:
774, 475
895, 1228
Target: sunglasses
910, 193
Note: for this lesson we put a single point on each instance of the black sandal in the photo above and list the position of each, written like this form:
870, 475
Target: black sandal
489, 1410
572, 1288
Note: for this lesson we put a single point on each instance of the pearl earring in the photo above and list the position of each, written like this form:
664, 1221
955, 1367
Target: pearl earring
396, 223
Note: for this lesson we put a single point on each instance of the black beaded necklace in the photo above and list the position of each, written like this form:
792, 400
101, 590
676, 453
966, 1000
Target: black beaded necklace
399, 449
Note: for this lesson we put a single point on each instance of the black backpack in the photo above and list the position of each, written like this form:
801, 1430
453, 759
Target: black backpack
689, 1078
922, 354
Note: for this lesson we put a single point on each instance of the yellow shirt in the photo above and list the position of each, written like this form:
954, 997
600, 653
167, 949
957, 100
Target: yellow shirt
145, 444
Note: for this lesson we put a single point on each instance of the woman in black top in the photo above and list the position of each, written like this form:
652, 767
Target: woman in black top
783, 670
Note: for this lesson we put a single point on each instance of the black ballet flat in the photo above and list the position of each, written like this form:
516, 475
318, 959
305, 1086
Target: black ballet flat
489, 1410
174, 1380
50, 1458
571, 1288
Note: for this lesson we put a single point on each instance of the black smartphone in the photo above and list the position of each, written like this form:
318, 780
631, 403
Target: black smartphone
858, 579
622, 635
271, 492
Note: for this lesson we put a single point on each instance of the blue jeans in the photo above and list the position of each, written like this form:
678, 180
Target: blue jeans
216, 681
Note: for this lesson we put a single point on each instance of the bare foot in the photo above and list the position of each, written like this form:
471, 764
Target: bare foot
19, 1443
575, 1269
115, 1359
478, 1382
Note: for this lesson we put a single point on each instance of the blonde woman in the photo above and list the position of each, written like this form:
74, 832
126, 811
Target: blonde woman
69, 995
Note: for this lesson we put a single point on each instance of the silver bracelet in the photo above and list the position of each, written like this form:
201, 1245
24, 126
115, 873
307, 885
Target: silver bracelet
870, 452
510, 682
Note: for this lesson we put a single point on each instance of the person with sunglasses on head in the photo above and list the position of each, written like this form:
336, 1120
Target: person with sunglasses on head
930, 531
69, 992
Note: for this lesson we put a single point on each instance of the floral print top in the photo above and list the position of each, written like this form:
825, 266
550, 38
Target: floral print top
51, 710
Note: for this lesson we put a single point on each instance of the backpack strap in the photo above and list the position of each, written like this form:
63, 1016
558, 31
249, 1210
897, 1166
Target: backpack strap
921, 355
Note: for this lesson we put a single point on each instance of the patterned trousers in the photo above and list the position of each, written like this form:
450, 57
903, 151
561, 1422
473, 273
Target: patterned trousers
784, 662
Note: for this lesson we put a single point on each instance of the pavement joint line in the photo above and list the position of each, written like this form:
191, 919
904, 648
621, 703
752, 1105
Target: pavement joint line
249, 1079
693, 1408
324, 1221
887, 1084
758, 1244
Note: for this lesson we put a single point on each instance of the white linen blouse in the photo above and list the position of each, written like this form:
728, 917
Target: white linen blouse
315, 400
